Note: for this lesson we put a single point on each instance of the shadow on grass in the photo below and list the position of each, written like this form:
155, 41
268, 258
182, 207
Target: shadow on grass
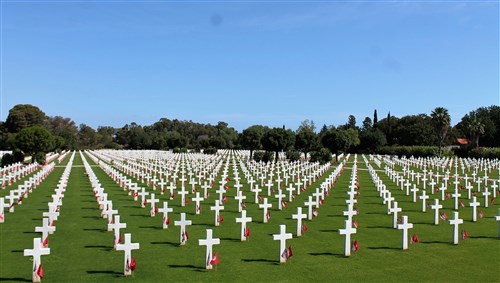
106, 248
94, 229
326, 254
14, 279
378, 213
197, 268
380, 227
91, 217
482, 237
230, 239
424, 223
334, 215
151, 227
91, 201
166, 243
272, 262
89, 208
17, 251
117, 274
384, 248
30, 232
36, 219
141, 215
434, 242
329, 230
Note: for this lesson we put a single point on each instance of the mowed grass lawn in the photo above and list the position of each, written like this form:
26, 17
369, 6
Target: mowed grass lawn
82, 248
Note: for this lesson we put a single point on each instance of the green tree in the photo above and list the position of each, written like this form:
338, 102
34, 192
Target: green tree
87, 136
278, 139
372, 139
441, 121
367, 124
306, 140
351, 122
375, 118
251, 138
340, 140
34, 140
476, 130
24, 116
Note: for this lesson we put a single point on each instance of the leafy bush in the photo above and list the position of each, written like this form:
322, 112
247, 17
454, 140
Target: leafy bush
18, 155
7, 159
180, 150
39, 157
293, 155
210, 150
322, 156
485, 152
416, 151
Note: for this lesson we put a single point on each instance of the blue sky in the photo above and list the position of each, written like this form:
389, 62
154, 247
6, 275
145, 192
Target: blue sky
248, 62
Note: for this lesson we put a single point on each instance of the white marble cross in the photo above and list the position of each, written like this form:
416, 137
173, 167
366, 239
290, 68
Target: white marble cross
256, 190
265, 206
317, 194
183, 194
127, 247
309, 203
165, 210
36, 253
244, 220
217, 208
486, 194
424, 199
436, 206
3, 206
282, 237
474, 205
290, 190
299, 216
405, 226
240, 197
414, 190
205, 187
143, 195
347, 231
394, 210
152, 200
183, 223
115, 227
456, 195
45, 229
280, 196
209, 242
197, 200
455, 222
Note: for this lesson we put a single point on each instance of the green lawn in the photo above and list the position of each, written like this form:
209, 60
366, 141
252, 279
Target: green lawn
82, 248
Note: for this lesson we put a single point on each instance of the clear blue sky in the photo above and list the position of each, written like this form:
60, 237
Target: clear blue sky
273, 63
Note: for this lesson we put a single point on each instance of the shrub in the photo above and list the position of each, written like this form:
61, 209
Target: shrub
322, 156
293, 155
7, 159
210, 150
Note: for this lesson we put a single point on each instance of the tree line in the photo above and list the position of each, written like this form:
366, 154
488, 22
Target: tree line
29, 131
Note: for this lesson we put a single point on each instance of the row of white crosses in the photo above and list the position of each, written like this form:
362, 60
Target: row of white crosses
474, 204
40, 245
348, 229
405, 225
114, 224
16, 196
15, 172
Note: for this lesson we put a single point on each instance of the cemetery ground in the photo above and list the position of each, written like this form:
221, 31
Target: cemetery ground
82, 250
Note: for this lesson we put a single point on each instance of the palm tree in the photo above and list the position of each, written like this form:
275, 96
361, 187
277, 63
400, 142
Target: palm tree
441, 120
476, 129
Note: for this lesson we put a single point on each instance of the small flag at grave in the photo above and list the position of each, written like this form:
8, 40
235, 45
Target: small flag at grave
355, 246
315, 213
215, 259
414, 239
198, 208
304, 228
187, 201
156, 209
285, 203
133, 264
465, 235
120, 240
355, 223
45, 242
172, 195
448, 196
492, 201
462, 203
243, 205
481, 214
260, 198
247, 232
443, 216
144, 203
224, 199
39, 271
221, 218
167, 221
268, 215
